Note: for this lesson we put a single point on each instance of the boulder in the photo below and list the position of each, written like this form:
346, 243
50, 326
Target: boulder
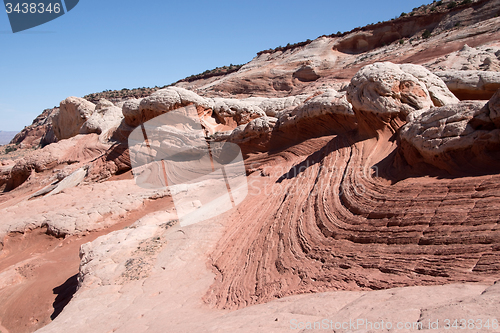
73, 112
384, 94
255, 130
103, 121
162, 101
306, 74
458, 138
439, 92
103, 104
131, 112
471, 84
237, 111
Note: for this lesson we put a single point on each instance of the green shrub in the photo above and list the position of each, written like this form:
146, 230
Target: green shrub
451, 5
10, 149
439, 3
426, 34
403, 14
401, 41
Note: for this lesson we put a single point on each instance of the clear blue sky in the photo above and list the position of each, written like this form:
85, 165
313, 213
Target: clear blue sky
111, 44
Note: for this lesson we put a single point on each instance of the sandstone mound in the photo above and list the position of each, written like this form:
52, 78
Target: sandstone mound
333, 222
368, 182
460, 138
471, 84
73, 112
105, 119
384, 94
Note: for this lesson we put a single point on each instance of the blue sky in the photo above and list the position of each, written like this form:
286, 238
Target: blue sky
111, 44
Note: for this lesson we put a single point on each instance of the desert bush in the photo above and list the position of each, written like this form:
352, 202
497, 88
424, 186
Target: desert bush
426, 34
9, 149
451, 5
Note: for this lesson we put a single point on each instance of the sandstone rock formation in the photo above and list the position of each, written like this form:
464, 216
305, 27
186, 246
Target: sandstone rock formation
484, 57
469, 84
369, 182
73, 112
460, 138
39, 133
392, 92
103, 121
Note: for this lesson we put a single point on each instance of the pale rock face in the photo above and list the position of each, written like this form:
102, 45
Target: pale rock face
329, 102
471, 84
131, 113
165, 100
385, 88
237, 111
79, 208
124, 255
440, 95
271, 106
103, 121
245, 110
73, 112
485, 58
438, 130
254, 129
103, 104
160, 102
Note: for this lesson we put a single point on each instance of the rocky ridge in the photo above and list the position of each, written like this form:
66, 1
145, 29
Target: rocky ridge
373, 182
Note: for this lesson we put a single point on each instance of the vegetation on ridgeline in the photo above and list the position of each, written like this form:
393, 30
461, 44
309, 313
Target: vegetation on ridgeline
114, 95
217, 71
432, 8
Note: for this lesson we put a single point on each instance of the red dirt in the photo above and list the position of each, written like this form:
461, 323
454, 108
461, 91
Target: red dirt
45, 263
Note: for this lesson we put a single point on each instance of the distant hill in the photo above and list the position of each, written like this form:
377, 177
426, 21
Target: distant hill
5, 137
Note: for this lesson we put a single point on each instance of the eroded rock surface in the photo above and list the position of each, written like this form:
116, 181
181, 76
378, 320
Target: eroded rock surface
73, 112
368, 182
471, 84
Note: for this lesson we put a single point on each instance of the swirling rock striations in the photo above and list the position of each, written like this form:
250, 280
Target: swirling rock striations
334, 218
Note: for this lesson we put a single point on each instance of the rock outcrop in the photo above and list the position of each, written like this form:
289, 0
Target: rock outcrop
484, 58
471, 84
73, 113
384, 94
367, 182
104, 121
40, 133
459, 138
